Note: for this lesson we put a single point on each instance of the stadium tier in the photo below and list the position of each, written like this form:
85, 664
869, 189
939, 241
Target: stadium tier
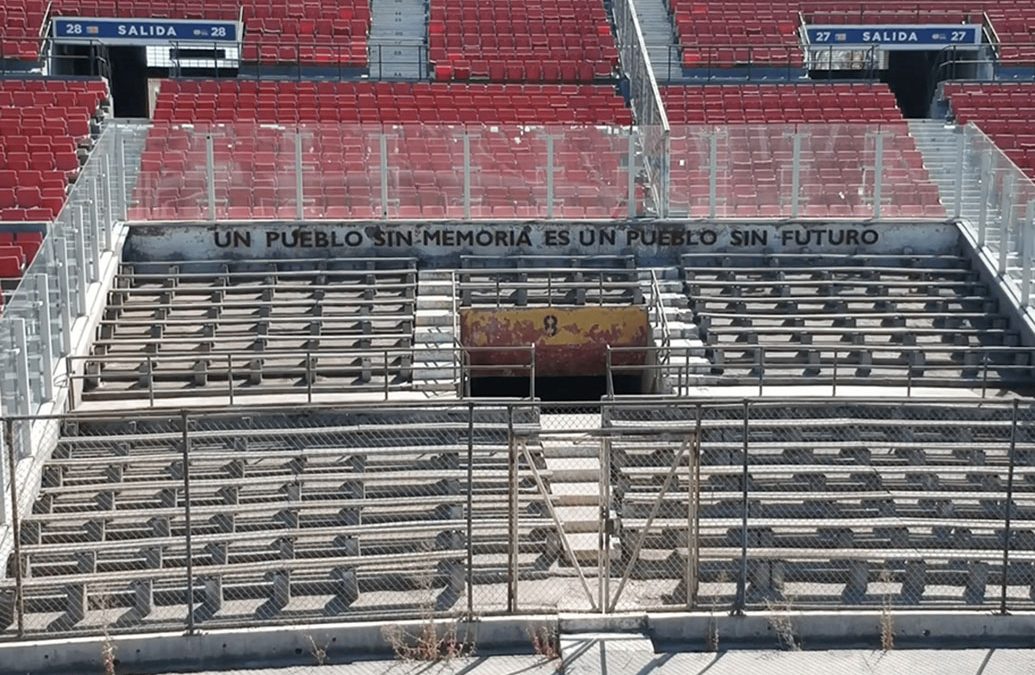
1004, 111
540, 41
727, 33
885, 318
341, 124
45, 133
836, 156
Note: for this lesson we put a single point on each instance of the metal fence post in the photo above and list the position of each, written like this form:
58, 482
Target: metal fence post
467, 176
210, 177
383, 143
878, 173
103, 224
470, 511
81, 273
987, 176
795, 175
1009, 509
631, 160
46, 338
961, 151
65, 293
95, 245
12, 469
512, 515
549, 176
1005, 216
185, 420
713, 174
23, 390
740, 600
1025, 245
299, 194
120, 165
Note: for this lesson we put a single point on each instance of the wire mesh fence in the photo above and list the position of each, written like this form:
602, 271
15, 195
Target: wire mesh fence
229, 518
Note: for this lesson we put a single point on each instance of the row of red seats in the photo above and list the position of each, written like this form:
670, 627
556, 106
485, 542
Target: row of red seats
499, 41
184, 102
17, 250
1004, 111
255, 164
781, 103
41, 124
753, 176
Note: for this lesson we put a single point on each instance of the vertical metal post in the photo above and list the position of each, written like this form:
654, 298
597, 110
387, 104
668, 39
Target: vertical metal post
761, 369
383, 141
80, 263
1027, 233
120, 165
693, 515
713, 174
549, 176
631, 163
878, 173
739, 601
299, 188
23, 391
795, 175
512, 515
210, 176
94, 215
102, 223
1005, 218
531, 390
309, 377
470, 511
12, 470
961, 151
987, 176
230, 377
1009, 510
185, 419
467, 176
109, 208
65, 295
95, 245
46, 338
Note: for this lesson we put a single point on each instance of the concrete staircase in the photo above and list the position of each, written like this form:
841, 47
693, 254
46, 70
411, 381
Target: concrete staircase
659, 34
688, 350
397, 46
575, 486
435, 372
939, 145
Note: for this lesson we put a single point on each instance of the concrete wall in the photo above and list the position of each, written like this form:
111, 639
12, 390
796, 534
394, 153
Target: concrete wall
442, 243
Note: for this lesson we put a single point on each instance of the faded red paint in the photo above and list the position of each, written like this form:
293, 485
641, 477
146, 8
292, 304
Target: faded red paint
570, 341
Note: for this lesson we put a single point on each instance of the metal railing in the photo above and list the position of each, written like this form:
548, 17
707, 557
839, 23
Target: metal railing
265, 516
988, 370
236, 375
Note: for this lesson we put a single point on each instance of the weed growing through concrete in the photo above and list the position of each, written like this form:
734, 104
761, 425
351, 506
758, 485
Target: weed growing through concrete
319, 653
887, 622
780, 622
108, 648
428, 643
545, 642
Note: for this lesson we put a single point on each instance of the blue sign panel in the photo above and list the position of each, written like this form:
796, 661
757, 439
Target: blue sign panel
916, 37
145, 31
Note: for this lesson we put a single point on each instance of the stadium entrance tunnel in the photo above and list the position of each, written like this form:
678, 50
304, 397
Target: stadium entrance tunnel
571, 352
574, 388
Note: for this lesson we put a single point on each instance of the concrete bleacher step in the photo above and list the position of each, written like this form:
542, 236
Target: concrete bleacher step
594, 653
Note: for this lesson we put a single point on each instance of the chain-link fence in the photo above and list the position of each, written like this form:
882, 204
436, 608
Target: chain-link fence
198, 520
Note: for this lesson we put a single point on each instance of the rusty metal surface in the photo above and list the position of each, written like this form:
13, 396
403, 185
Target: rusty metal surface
570, 341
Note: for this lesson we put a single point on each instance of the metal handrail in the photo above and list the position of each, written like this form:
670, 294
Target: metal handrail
388, 362
761, 362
